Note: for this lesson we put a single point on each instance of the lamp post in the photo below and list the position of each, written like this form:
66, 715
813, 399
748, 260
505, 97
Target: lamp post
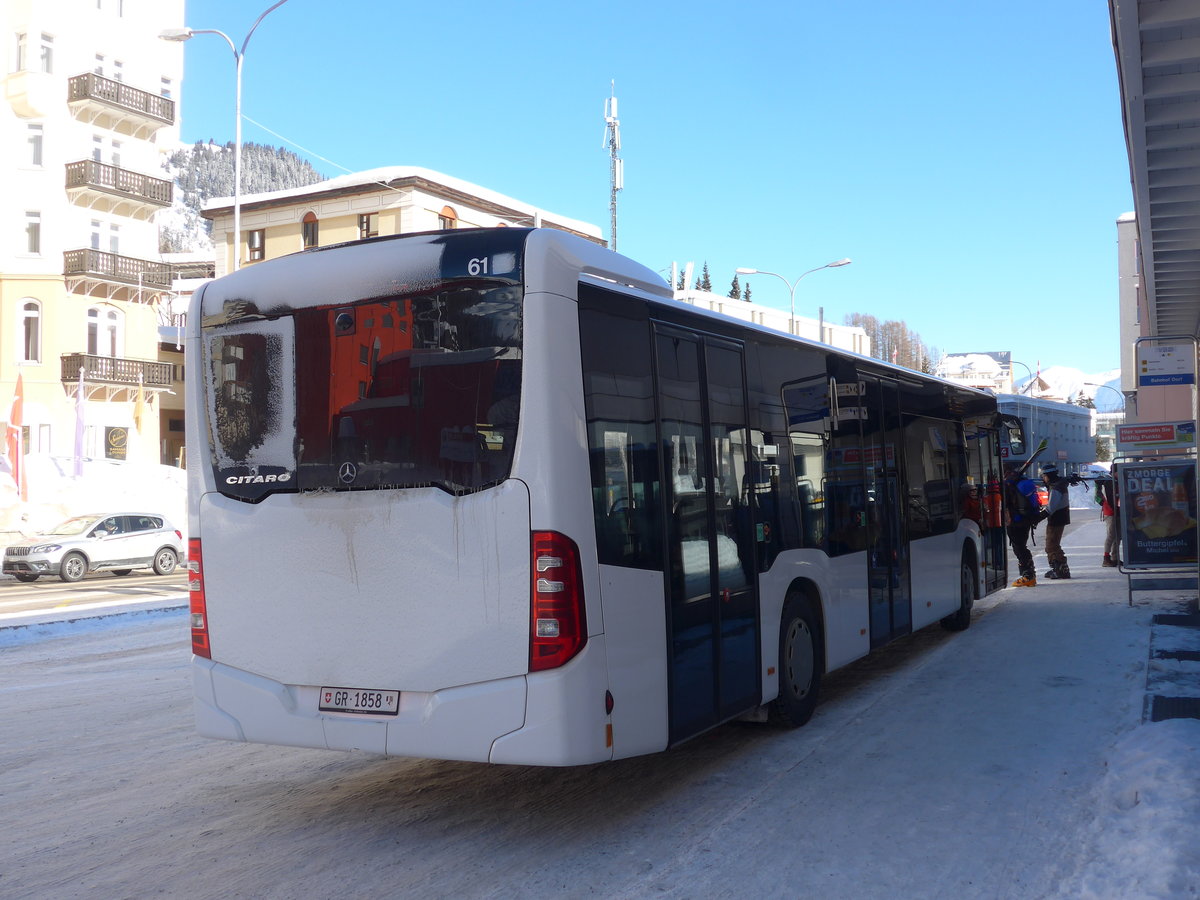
185, 34
1107, 388
1028, 370
1119, 394
792, 284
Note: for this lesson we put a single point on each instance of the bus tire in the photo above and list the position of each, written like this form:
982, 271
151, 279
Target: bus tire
72, 568
801, 662
961, 619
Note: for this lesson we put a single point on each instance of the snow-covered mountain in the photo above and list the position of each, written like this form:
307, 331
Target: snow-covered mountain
1065, 383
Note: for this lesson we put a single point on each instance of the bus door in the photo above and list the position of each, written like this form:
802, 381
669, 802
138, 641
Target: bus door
890, 594
985, 506
712, 603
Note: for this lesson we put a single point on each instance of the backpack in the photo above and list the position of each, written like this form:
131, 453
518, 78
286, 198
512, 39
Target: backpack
1021, 507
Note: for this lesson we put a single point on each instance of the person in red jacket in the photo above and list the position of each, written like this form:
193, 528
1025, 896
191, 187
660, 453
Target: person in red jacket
1106, 496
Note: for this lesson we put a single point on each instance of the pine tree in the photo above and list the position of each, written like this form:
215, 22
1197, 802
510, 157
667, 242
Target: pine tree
704, 283
735, 289
681, 284
204, 171
746, 292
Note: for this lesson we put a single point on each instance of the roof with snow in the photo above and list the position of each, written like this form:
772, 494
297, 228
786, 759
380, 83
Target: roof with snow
399, 177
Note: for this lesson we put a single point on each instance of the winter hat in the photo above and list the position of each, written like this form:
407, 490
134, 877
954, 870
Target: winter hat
1049, 469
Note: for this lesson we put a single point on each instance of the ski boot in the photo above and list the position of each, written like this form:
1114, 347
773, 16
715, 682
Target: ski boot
1027, 579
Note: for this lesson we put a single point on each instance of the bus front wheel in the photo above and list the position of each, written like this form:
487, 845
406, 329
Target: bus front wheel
801, 661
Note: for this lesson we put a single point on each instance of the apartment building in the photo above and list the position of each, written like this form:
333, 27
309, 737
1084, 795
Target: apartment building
88, 112
388, 200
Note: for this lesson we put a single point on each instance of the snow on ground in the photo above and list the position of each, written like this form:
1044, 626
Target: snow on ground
55, 493
1007, 762
1148, 838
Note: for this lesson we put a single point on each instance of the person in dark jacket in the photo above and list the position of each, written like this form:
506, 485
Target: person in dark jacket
1022, 510
1059, 507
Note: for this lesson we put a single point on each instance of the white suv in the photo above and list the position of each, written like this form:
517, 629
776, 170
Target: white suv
118, 542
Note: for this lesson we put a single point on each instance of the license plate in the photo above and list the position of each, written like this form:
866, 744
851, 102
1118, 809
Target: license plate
357, 700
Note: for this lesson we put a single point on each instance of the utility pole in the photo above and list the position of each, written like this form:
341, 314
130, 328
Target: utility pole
616, 165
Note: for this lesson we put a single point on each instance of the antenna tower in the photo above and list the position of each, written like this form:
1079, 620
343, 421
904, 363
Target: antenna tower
616, 165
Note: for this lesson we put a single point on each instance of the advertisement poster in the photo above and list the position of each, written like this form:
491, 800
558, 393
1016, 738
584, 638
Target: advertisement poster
115, 440
1158, 513
1145, 435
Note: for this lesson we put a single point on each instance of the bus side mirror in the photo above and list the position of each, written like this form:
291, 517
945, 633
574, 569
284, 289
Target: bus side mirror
1013, 435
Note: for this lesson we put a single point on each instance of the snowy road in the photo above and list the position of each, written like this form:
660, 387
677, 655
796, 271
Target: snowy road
968, 765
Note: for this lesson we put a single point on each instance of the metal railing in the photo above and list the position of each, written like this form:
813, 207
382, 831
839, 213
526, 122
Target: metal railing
91, 86
115, 370
113, 267
115, 180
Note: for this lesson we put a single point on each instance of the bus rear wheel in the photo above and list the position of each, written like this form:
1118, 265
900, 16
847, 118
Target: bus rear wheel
801, 662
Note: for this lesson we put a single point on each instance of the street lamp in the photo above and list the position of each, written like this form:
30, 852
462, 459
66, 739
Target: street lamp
1028, 370
185, 34
792, 284
1107, 388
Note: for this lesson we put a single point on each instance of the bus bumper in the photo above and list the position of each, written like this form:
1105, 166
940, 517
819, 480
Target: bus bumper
526, 720
455, 723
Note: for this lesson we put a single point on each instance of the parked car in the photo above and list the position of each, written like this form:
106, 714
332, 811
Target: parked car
115, 542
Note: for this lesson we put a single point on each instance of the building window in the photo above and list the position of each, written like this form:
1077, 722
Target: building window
19, 54
115, 157
47, 53
165, 90
104, 332
34, 138
308, 230
368, 225
447, 218
99, 69
33, 231
256, 242
114, 238
118, 70
31, 332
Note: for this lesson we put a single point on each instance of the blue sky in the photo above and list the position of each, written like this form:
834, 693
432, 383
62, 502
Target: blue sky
968, 157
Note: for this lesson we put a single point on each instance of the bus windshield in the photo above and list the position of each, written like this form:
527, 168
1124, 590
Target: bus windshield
402, 391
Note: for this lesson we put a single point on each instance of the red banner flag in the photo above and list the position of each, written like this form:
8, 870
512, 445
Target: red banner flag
12, 439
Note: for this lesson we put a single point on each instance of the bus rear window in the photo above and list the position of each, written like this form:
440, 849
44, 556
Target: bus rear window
405, 391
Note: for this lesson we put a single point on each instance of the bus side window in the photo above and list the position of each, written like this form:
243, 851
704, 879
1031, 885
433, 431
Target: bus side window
622, 439
808, 462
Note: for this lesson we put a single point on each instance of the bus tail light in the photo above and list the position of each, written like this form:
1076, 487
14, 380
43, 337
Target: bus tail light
558, 626
196, 600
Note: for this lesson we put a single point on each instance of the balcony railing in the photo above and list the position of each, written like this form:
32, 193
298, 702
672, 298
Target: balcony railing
111, 267
115, 371
88, 173
120, 96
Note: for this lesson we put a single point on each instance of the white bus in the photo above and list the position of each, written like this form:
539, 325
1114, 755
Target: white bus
495, 495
